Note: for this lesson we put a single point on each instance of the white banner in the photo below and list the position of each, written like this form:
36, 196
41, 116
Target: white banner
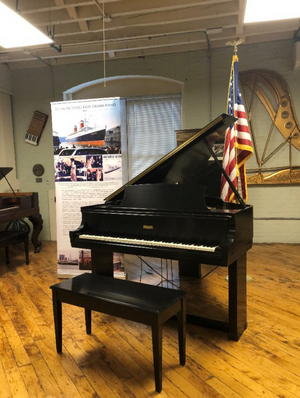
88, 168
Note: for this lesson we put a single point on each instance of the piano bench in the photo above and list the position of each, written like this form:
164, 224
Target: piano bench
146, 304
10, 237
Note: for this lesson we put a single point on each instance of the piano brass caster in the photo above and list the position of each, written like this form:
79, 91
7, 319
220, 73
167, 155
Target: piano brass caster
37, 249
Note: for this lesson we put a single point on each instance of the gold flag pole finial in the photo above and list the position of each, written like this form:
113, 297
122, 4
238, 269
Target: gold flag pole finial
234, 44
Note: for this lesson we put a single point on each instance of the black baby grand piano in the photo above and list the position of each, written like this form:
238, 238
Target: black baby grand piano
172, 210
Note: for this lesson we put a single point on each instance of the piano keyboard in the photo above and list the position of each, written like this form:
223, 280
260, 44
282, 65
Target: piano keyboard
171, 245
9, 208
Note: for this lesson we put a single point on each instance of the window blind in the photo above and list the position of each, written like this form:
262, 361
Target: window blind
151, 125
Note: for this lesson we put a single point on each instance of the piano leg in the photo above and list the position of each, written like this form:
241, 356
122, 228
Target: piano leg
189, 268
237, 311
37, 223
102, 262
237, 317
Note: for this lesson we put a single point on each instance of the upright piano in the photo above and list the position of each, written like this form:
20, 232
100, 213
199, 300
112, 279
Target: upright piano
172, 210
17, 205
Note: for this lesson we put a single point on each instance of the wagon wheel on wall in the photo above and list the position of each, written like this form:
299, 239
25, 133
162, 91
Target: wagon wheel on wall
273, 92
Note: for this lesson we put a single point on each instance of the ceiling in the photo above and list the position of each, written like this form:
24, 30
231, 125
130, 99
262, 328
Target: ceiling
91, 30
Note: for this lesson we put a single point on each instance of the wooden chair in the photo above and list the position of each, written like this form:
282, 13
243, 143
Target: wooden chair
10, 237
150, 305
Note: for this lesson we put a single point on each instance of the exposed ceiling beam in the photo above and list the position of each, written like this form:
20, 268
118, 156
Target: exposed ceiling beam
73, 15
136, 28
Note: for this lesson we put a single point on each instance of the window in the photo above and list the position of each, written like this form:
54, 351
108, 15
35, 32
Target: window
151, 125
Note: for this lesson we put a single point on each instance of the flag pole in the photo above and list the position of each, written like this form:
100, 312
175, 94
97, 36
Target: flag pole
237, 145
235, 45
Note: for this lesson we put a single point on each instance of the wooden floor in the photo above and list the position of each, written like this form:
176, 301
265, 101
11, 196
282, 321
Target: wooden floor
116, 360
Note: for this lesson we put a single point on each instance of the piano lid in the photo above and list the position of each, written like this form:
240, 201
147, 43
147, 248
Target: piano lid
4, 171
185, 161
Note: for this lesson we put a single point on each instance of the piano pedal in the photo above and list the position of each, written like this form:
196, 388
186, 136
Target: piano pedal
248, 278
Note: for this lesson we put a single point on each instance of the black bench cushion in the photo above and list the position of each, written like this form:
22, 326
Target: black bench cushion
7, 236
130, 294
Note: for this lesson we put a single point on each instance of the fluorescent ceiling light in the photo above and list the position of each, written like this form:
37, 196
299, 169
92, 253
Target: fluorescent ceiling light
271, 10
16, 32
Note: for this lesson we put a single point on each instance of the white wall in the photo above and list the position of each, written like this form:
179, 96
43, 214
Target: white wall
5, 79
7, 150
34, 89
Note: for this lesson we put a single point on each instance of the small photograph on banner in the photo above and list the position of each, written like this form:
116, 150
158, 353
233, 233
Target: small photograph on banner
87, 134
70, 169
112, 168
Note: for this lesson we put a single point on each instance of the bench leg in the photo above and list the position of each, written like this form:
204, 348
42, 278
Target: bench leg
157, 355
88, 321
57, 321
181, 320
7, 255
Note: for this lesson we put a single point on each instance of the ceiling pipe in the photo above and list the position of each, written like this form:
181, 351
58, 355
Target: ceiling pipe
208, 32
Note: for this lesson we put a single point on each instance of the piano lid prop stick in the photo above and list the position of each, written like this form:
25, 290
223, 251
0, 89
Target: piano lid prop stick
238, 196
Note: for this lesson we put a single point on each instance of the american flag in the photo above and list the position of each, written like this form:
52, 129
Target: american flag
238, 144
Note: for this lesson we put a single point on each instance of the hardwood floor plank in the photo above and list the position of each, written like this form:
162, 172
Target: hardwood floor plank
13, 337
252, 362
97, 381
49, 384
113, 378
54, 362
136, 389
32, 382
180, 374
6, 392
116, 360
132, 360
221, 388
280, 349
11, 381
